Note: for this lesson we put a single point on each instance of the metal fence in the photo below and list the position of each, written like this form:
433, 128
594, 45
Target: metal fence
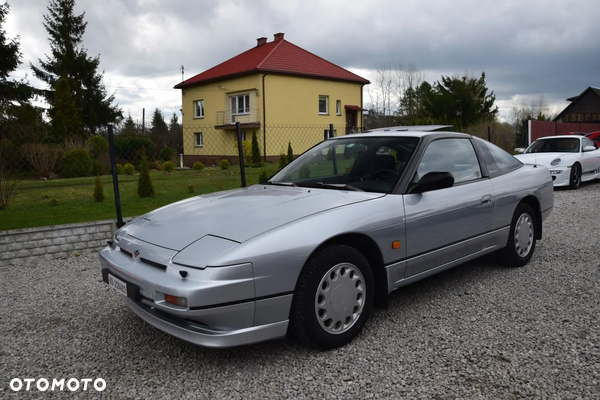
49, 178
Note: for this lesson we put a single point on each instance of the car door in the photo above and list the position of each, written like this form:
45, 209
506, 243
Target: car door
590, 160
445, 225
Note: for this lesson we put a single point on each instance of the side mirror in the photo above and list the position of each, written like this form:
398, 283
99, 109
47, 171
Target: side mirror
589, 148
520, 150
434, 181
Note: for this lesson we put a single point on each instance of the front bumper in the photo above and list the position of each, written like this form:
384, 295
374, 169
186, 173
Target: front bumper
203, 336
222, 309
561, 176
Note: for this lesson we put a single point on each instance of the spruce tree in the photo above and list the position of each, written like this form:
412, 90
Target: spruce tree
69, 59
129, 127
159, 129
65, 116
98, 190
145, 188
12, 93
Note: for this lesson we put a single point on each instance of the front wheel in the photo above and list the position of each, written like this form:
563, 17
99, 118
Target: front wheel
333, 297
575, 178
521, 239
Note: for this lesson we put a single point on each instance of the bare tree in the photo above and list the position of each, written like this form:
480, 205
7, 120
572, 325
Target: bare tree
389, 87
407, 77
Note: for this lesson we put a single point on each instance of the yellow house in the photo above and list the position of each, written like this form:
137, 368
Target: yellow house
277, 90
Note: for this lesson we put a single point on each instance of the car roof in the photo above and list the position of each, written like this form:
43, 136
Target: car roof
421, 128
560, 137
412, 133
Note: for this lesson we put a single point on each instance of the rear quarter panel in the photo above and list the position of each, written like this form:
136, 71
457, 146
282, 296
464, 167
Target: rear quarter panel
513, 187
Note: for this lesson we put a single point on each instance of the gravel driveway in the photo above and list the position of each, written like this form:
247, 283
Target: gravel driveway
477, 331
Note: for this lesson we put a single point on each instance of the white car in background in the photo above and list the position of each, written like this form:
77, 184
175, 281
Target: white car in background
571, 159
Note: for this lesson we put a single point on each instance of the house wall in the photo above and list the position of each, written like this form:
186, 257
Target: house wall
216, 98
585, 108
292, 113
292, 105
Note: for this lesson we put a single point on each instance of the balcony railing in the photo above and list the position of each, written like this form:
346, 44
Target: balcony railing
228, 117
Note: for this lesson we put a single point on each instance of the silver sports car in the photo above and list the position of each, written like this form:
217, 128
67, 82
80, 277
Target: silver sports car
328, 237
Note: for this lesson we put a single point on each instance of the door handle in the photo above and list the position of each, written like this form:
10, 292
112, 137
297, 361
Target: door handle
487, 199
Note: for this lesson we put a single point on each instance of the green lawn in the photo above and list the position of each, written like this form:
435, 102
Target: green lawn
62, 201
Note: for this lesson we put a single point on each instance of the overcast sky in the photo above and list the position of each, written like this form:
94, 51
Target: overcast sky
529, 49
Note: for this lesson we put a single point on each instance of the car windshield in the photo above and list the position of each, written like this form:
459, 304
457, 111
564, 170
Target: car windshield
370, 164
554, 145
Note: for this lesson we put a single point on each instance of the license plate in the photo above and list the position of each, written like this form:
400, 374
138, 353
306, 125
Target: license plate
117, 284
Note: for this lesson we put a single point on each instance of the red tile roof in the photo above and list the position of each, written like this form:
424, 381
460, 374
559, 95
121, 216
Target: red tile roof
279, 57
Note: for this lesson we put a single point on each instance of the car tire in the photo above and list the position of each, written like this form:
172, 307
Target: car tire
333, 297
521, 239
575, 178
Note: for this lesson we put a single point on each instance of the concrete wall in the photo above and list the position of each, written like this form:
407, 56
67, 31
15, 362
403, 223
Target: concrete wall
24, 245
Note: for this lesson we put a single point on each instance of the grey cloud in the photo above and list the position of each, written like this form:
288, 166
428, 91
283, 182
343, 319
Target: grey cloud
528, 48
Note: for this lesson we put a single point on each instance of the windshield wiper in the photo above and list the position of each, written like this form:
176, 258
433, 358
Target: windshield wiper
281, 183
338, 186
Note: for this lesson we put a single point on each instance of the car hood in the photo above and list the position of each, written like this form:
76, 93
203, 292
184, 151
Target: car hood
236, 215
541, 158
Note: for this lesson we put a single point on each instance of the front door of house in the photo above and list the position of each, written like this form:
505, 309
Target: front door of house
350, 121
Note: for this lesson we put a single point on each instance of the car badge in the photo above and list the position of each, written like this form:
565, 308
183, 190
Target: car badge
136, 256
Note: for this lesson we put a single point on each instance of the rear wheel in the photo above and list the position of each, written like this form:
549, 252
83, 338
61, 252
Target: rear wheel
575, 179
333, 297
522, 238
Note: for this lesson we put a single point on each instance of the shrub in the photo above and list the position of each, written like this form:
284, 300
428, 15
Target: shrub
224, 164
7, 186
290, 153
98, 146
263, 177
191, 189
168, 166
97, 168
145, 188
154, 165
98, 190
198, 166
255, 149
43, 157
75, 163
282, 160
130, 148
166, 154
128, 169
246, 151
120, 169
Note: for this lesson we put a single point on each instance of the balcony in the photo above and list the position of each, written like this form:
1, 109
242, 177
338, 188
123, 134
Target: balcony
227, 119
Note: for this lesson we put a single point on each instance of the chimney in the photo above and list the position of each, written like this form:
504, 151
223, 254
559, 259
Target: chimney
260, 41
278, 36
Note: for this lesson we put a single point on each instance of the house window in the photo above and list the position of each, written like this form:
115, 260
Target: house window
240, 104
323, 104
199, 109
199, 139
338, 107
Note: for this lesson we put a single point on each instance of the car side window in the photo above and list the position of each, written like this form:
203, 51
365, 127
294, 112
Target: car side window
454, 155
498, 161
588, 142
